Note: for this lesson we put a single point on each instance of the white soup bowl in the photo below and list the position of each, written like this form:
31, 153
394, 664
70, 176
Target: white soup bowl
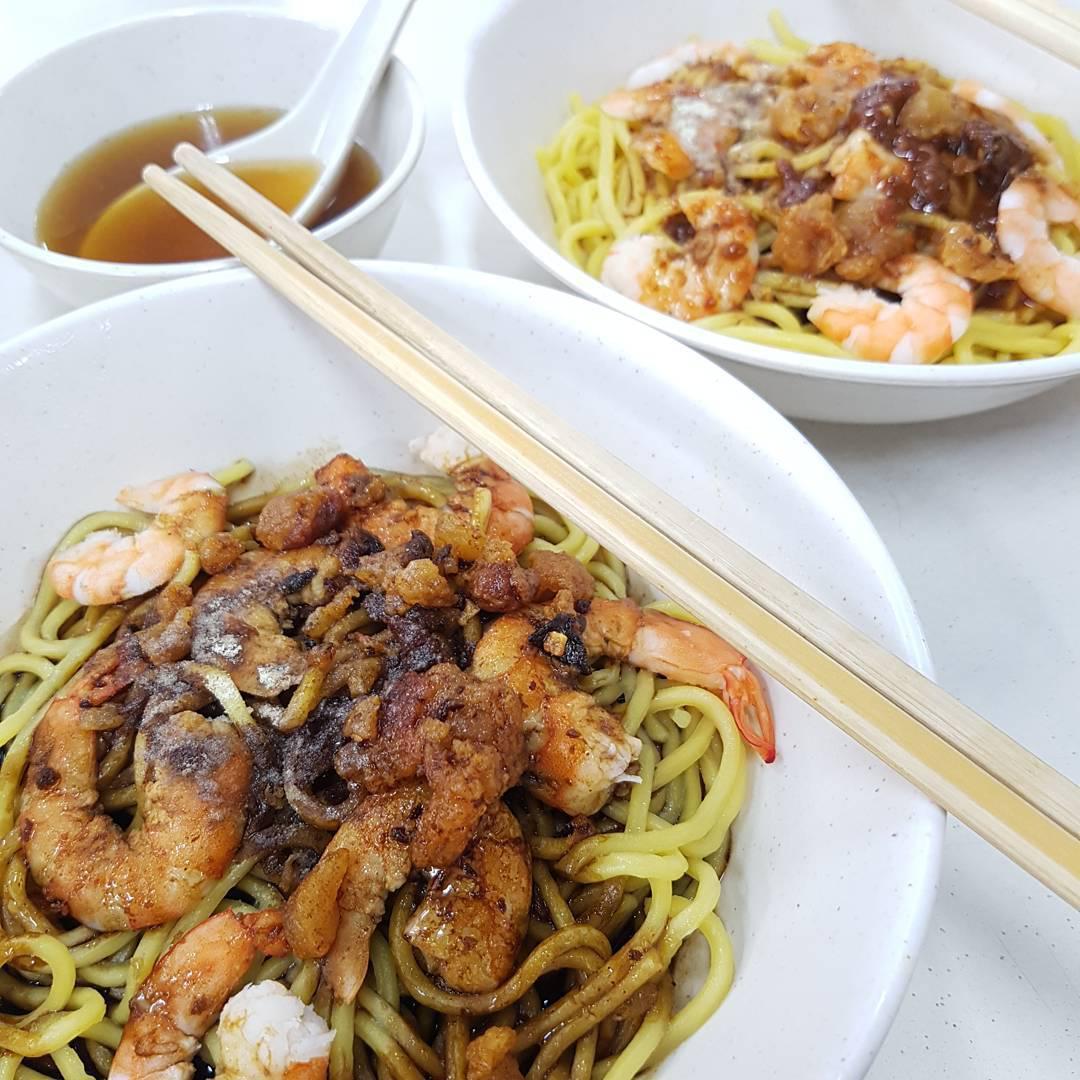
177, 62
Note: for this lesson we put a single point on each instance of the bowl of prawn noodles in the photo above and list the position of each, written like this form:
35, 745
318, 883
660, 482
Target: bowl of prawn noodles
609, 205
827, 881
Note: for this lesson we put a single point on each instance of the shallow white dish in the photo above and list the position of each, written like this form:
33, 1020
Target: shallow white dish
528, 58
169, 63
835, 858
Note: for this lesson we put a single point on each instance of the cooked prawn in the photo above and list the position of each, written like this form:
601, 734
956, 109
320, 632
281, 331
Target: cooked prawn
687, 652
650, 89
839, 64
662, 152
712, 273
186, 990
992, 101
268, 1033
463, 736
934, 310
859, 163
577, 749
685, 55
1027, 209
334, 910
108, 566
192, 775
511, 516
822, 87
472, 921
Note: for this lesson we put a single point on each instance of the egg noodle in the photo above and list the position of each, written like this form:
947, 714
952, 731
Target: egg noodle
598, 191
620, 903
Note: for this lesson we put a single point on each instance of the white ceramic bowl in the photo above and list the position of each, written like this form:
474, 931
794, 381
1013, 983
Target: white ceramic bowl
149, 67
528, 58
835, 859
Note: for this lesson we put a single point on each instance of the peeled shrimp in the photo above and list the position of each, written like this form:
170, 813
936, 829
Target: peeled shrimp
859, 163
824, 83
107, 566
684, 55
687, 652
1027, 209
463, 736
192, 775
472, 921
711, 273
577, 749
663, 153
334, 910
186, 990
511, 517
648, 93
934, 310
268, 1033
992, 101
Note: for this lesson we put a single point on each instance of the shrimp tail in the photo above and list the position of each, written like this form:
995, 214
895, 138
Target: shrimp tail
744, 696
688, 653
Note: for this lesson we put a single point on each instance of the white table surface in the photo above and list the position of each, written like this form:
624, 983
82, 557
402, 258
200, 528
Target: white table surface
982, 516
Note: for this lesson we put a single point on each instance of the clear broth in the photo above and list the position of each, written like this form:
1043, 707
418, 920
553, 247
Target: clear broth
144, 229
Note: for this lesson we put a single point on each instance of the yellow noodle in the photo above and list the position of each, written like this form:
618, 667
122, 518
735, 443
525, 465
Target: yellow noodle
304, 699
771, 53
713, 990
397, 1061
391, 1021
235, 473
106, 1032
55, 1029
53, 624
80, 651
647, 1038
262, 892
221, 685
273, 968
785, 35
150, 947
305, 981
342, 1019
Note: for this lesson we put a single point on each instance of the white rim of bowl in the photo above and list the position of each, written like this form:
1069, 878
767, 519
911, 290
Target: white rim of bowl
951, 376
387, 186
823, 480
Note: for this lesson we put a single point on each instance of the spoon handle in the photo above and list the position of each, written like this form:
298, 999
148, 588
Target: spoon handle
334, 102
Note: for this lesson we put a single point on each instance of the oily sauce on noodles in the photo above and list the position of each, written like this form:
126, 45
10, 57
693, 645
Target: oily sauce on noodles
72, 216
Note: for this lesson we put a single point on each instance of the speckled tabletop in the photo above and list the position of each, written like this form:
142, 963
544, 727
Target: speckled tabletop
982, 516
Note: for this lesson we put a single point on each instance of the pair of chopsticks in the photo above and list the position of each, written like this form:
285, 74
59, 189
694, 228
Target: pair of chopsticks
1045, 23
977, 773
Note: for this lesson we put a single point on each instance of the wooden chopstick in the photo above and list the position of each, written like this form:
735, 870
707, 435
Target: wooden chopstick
913, 692
807, 650
1069, 16
1044, 23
